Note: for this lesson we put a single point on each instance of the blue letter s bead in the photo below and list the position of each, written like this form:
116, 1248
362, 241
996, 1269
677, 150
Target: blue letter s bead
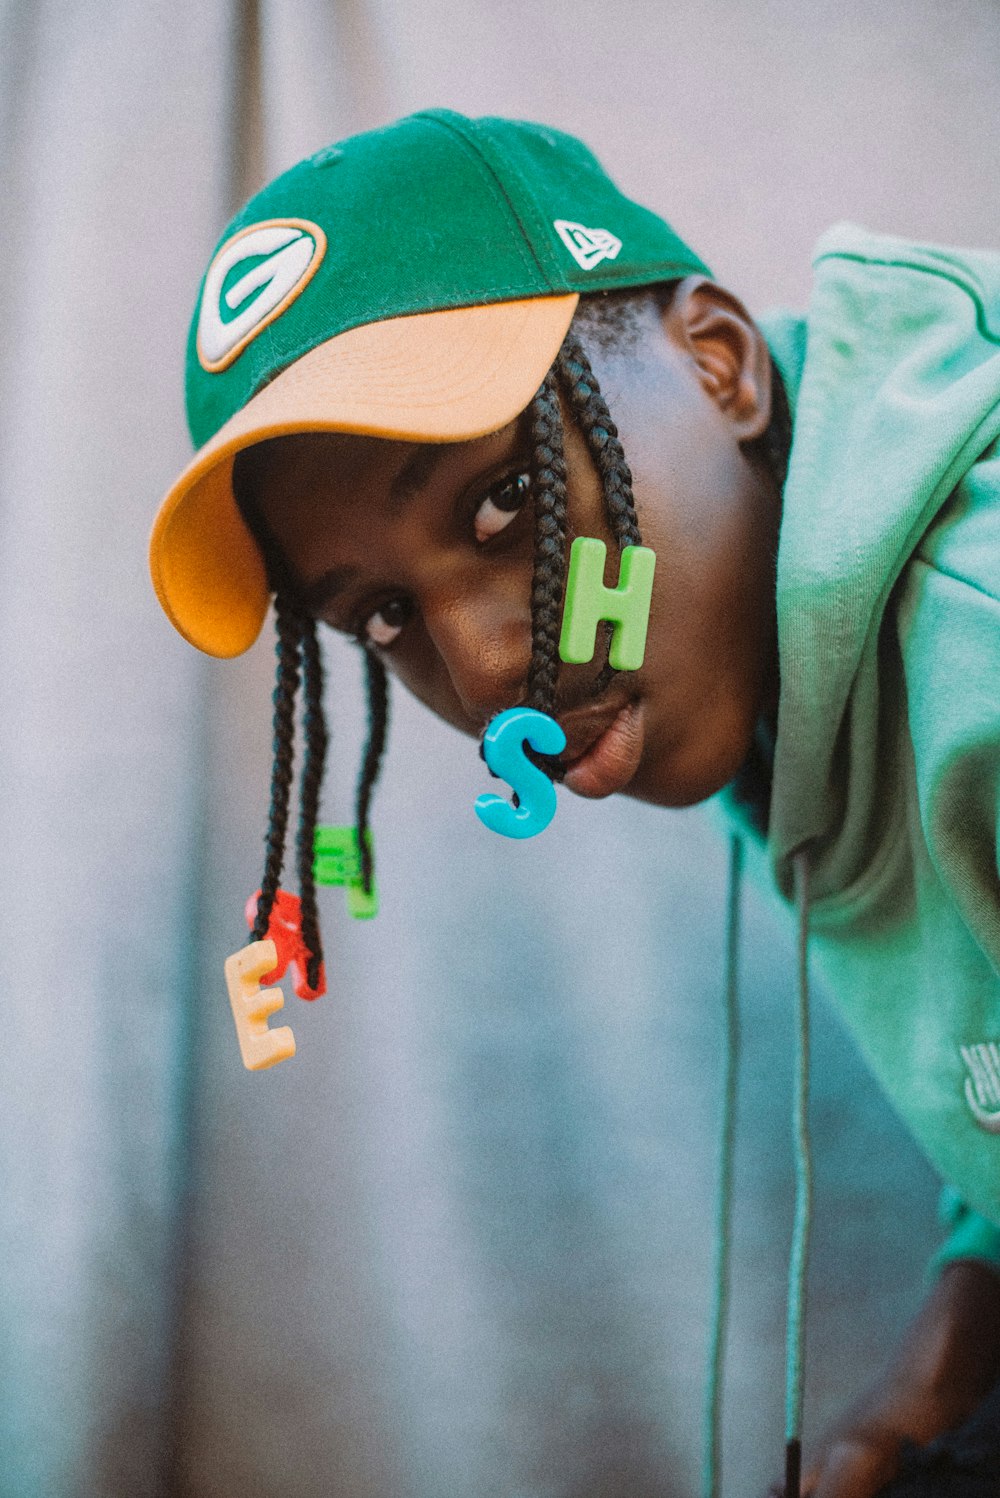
503, 750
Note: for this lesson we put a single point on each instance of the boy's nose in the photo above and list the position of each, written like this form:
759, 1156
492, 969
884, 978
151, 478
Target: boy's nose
485, 645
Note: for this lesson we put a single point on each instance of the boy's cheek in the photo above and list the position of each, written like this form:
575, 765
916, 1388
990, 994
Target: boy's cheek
691, 751
422, 672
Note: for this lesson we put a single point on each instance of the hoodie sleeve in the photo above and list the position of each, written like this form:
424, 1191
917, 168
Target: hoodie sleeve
949, 621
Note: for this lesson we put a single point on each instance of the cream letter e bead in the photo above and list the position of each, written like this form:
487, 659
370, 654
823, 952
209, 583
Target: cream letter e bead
259, 1046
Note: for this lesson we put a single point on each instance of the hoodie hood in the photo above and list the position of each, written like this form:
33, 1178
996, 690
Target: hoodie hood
894, 381
886, 769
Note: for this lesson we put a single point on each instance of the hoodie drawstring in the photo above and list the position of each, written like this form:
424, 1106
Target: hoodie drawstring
798, 1263
712, 1453
799, 1255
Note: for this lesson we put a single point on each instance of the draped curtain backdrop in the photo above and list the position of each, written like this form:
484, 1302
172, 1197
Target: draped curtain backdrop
461, 1244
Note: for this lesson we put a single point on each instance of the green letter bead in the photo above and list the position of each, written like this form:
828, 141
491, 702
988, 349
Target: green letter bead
336, 850
337, 862
359, 905
588, 601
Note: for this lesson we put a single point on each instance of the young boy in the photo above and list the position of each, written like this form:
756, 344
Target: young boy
394, 380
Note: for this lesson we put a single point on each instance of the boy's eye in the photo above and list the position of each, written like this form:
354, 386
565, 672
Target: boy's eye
500, 506
382, 627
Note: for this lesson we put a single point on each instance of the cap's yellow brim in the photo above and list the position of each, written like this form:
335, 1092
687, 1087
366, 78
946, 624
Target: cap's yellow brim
443, 376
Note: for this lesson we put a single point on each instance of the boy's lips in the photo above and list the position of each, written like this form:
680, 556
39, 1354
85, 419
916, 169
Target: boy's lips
608, 760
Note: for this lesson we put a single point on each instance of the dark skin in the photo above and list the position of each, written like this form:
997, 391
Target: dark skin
426, 553
948, 1361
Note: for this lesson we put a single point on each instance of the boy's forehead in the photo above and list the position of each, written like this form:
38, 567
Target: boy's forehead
328, 461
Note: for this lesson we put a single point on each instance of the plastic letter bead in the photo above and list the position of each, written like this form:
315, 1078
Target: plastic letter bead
259, 1046
503, 750
285, 930
588, 601
337, 861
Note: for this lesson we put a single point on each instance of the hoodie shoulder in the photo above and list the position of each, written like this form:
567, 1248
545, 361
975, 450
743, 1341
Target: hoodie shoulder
975, 272
896, 382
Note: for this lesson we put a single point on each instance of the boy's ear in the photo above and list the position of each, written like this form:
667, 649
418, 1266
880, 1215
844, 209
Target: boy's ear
731, 359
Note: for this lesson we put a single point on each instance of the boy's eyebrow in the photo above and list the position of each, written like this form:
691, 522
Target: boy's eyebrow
416, 471
318, 594
419, 467
411, 478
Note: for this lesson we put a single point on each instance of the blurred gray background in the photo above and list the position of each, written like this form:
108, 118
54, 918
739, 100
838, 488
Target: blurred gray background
461, 1244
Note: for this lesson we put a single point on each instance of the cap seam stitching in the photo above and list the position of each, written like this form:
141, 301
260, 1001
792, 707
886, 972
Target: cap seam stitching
475, 150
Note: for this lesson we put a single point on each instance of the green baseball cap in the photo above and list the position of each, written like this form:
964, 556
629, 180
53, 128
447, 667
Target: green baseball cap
414, 282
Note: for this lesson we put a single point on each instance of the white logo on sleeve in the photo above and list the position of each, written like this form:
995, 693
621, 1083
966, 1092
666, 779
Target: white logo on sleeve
982, 1085
286, 254
587, 246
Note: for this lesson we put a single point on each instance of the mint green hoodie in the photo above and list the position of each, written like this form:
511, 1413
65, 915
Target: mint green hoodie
887, 760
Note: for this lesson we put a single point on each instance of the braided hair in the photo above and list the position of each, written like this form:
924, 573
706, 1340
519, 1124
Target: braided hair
590, 410
289, 654
298, 655
314, 725
573, 377
377, 683
548, 487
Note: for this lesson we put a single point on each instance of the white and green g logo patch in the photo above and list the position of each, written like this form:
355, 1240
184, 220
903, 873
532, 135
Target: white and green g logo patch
253, 278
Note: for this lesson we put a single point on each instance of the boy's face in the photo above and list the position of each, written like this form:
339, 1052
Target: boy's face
426, 551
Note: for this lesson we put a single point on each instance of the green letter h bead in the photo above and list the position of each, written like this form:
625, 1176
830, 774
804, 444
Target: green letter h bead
588, 601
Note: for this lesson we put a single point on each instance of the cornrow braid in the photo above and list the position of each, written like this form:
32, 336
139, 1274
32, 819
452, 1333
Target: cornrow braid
590, 409
288, 648
548, 485
571, 371
314, 729
377, 685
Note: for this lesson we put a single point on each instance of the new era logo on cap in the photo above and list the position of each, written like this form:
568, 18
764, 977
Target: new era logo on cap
587, 246
253, 278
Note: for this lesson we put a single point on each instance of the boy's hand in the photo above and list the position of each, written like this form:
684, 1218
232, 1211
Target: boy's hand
949, 1360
